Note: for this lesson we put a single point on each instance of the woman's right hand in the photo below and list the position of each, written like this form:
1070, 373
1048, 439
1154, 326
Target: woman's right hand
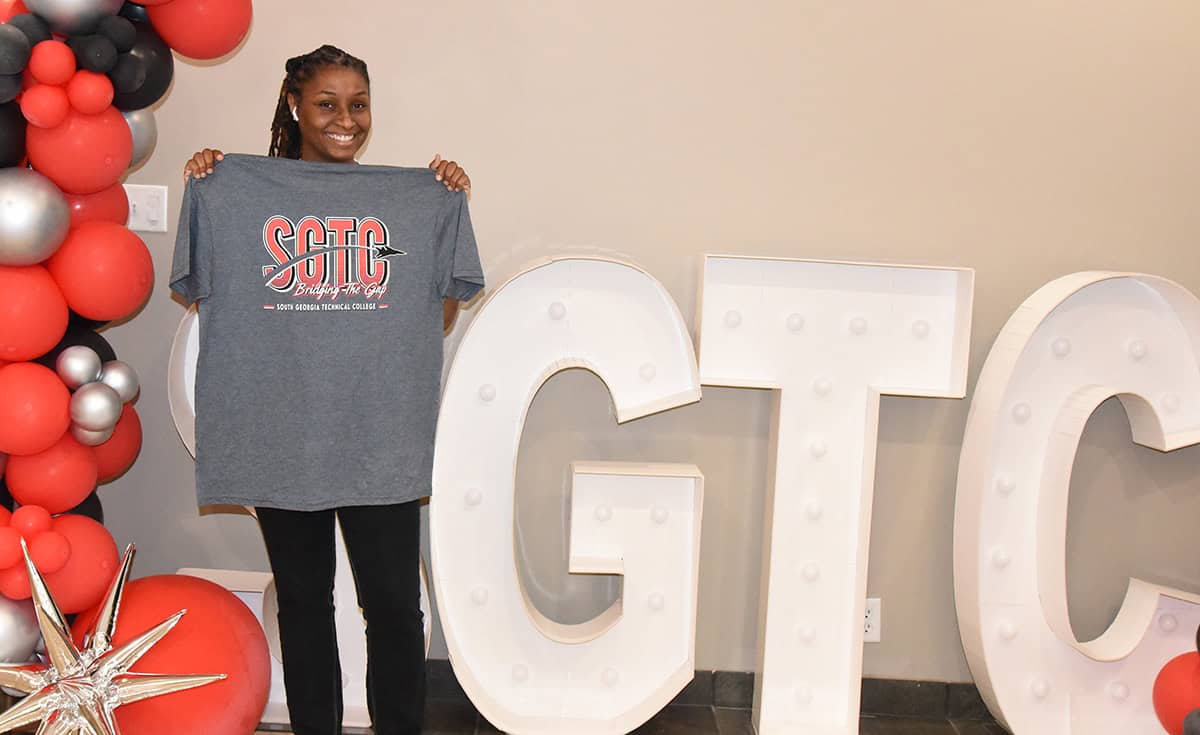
202, 163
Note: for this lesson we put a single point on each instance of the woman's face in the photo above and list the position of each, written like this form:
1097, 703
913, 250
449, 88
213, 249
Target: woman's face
334, 108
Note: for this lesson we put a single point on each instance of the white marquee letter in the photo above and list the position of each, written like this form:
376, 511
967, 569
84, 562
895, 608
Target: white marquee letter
1072, 345
525, 673
829, 338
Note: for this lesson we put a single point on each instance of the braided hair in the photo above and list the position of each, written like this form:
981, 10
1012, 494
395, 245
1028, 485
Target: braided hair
285, 132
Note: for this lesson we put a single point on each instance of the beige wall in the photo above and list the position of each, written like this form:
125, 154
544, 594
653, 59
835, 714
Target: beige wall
1024, 139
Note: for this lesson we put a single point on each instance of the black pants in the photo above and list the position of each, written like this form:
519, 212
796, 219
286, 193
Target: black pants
383, 543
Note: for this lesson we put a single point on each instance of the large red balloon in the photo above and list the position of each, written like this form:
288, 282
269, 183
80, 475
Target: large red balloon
202, 29
104, 271
33, 312
85, 154
218, 635
52, 62
34, 408
117, 454
107, 205
1177, 691
57, 479
81, 584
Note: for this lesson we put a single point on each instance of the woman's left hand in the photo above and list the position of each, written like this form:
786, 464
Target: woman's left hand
451, 174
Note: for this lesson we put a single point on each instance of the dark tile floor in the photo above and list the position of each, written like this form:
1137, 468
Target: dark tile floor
457, 718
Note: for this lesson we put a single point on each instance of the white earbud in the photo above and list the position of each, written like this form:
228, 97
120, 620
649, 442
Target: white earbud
294, 115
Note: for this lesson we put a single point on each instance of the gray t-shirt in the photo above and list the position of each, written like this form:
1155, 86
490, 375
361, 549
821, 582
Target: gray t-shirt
320, 292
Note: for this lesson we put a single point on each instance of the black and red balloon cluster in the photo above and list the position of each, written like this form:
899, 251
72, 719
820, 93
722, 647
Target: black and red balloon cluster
1176, 694
76, 79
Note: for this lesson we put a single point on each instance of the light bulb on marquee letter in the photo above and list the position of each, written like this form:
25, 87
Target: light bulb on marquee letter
866, 330
1075, 343
525, 673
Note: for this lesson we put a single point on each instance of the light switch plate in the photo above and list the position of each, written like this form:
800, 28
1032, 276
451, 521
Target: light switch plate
147, 207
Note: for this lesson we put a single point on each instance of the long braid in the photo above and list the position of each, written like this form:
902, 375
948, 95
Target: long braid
285, 132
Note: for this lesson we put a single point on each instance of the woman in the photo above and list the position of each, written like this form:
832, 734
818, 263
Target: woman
324, 115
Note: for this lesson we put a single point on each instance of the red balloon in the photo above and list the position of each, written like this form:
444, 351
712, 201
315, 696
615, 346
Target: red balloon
85, 154
107, 205
5, 513
9, 8
89, 570
1177, 691
33, 312
89, 92
104, 271
116, 455
45, 106
50, 552
57, 479
202, 29
52, 62
10, 547
34, 409
14, 582
218, 635
30, 521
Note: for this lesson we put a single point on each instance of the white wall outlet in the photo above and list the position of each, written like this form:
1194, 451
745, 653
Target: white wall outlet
873, 620
147, 207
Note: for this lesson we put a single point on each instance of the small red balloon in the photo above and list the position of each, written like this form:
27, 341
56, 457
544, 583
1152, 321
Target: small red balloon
9, 8
104, 271
107, 205
202, 29
10, 547
218, 634
117, 455
30, 520
5, 513
57, 479
52, 62
89, 92
82, 583
49, 552
34, 409
1177, 691
14, 582
85, 154
33, 312
45, 106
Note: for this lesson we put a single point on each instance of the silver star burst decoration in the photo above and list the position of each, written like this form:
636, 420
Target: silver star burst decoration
77, 693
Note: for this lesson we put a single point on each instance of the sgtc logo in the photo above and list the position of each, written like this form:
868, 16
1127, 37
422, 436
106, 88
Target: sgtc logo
328, 257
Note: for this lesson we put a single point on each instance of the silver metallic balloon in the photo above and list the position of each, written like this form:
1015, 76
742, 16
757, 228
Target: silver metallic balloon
90, 438
78, 365
19, 632
145, 134
120, 377
74, 16
95, 407
34, 217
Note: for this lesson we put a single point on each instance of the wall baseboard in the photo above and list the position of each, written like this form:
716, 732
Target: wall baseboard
735, 689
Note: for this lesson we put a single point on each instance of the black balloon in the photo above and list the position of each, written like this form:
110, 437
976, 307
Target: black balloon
128, 75
118, 30
14, 49
91, 508
1191, 723
74, 321
136, 13
34, 28
12, 135
78, 335
94, 53
156, 57
10, 87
